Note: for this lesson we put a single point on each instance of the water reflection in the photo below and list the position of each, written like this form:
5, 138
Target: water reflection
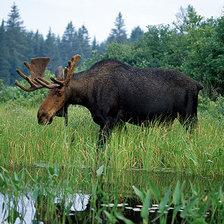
28, 211
162, 179
24, 208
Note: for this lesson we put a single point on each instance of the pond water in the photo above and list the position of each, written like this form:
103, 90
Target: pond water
26, 209
28, 213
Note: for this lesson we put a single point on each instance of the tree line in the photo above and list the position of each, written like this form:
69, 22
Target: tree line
192, 44
18, 45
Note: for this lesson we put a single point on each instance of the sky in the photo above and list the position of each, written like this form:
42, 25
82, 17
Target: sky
99, 15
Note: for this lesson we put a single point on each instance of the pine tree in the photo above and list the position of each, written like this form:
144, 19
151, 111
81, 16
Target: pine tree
94, 44
118, 34
100, 48
16, 42
51, 50
136, 34
30, 50
84, 46
4, 56
69, 44
38, 45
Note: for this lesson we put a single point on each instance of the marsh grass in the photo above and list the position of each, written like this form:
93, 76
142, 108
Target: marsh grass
24, 142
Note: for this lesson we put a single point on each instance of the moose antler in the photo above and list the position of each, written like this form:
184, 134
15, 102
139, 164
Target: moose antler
69, 71
37, 69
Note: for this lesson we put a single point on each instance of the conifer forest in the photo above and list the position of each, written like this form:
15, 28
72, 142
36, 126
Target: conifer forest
191, 44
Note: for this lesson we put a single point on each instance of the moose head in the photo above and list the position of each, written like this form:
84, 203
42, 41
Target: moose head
54, 103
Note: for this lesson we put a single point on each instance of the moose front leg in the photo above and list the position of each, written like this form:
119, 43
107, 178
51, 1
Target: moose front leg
66, 115
107, 124
63, 113
104, 134
66, 119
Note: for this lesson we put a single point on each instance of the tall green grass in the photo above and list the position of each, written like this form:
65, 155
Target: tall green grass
24, 142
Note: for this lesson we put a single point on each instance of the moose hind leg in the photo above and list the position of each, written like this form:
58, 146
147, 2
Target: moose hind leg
188, 116
188, 121
104, 134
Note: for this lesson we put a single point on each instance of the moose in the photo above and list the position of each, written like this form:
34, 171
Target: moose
116, 93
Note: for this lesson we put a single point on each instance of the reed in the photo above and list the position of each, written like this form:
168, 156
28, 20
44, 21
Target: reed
24, 142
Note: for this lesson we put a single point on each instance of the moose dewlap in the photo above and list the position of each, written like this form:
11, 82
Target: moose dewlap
116, 93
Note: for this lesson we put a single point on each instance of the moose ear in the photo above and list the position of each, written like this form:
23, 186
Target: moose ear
59, 73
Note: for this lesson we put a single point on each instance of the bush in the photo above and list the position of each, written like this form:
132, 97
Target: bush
18, 96
215, 108
7, 93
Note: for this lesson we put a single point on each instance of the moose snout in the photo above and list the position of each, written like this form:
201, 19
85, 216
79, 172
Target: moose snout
43, 118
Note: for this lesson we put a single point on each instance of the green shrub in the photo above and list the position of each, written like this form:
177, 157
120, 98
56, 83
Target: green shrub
23, 98
215, 108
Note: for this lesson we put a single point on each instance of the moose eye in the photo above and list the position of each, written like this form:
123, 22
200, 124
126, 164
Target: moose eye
59, 93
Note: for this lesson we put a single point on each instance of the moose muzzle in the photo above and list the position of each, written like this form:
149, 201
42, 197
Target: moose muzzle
44, 118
